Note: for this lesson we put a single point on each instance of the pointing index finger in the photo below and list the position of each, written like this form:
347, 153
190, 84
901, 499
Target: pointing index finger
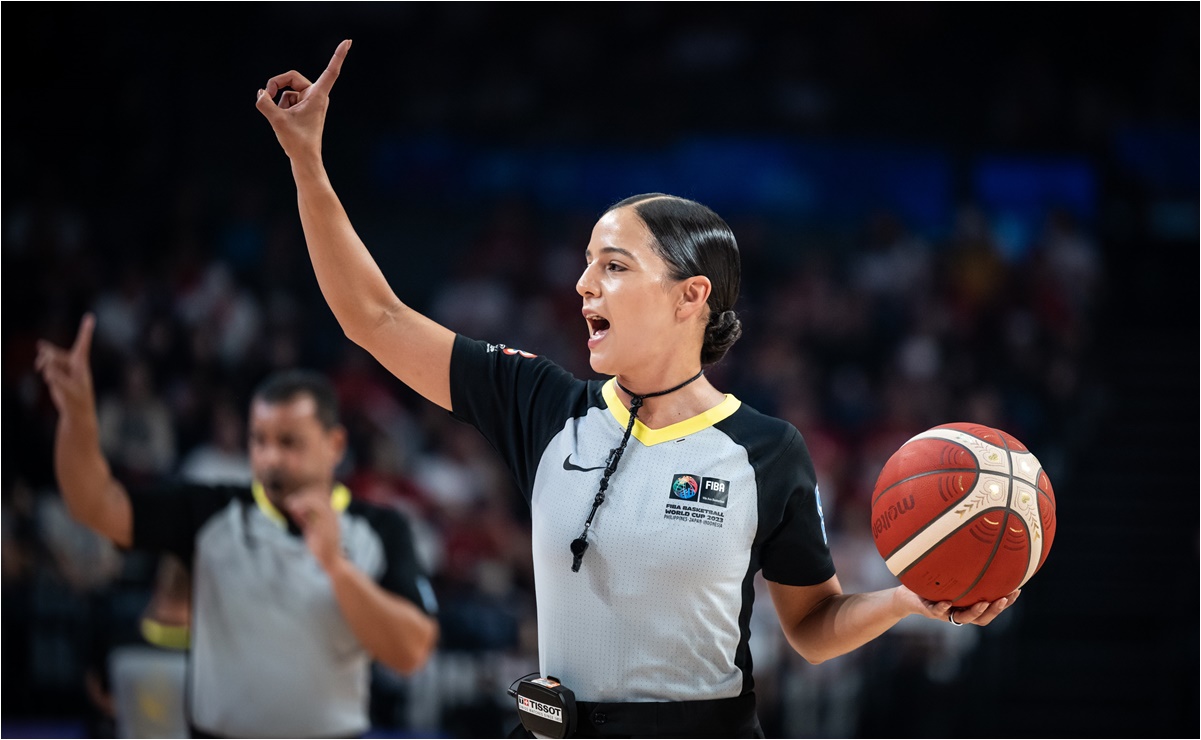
334, 68
83, 340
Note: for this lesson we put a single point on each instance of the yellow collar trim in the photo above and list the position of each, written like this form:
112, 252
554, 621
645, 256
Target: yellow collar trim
680, 429
339, 498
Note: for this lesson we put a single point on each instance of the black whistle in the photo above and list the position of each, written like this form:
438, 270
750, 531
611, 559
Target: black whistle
578, 546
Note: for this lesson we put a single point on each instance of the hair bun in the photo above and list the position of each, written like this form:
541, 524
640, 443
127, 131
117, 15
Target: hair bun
723, 330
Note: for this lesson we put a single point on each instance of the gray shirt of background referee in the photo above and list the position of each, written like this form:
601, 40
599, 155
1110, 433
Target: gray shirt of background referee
271, 653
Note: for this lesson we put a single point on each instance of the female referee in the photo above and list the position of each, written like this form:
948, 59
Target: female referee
655, 497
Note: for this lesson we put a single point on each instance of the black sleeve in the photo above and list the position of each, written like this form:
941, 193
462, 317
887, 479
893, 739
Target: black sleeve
795, 551
402, 574
167, 518
517, 400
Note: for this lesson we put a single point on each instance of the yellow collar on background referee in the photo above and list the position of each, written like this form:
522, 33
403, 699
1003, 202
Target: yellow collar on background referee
339, 499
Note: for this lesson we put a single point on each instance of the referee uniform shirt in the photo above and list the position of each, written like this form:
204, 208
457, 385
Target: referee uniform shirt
271, 654
660, 609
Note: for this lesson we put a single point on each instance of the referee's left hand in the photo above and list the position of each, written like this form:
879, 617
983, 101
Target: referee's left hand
316, 518
980, 614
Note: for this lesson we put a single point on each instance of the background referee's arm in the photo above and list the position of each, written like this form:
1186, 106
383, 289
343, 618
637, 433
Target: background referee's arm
394, 630
92, 495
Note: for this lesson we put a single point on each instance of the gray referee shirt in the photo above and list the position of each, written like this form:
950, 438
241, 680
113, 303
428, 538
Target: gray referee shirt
660, 609
271, 654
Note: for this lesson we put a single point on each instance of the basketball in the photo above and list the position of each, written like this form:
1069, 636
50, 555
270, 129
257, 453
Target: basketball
963, 513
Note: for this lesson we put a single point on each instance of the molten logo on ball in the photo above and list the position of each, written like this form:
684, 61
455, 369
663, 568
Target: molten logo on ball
963, 513
885, 520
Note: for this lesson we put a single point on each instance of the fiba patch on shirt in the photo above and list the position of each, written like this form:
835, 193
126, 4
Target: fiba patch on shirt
695, 489
685, 487
715, 491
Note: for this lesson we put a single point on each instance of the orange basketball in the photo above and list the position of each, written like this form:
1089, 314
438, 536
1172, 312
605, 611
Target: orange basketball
963, 513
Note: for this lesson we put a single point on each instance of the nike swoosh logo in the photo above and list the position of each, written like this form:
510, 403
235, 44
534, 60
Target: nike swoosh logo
568, 466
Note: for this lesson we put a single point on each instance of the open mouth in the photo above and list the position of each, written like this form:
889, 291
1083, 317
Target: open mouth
598, 326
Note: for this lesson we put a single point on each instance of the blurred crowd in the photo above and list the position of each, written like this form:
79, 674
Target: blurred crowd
860, 342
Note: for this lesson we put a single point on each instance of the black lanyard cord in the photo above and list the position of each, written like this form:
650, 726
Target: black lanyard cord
580, 544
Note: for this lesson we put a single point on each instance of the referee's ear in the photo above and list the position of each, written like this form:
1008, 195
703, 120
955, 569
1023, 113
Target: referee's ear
336, 441
694, 298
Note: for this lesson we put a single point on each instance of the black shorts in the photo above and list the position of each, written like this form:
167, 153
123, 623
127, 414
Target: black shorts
726, 718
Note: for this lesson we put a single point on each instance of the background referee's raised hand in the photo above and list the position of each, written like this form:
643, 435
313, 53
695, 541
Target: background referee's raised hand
66, 371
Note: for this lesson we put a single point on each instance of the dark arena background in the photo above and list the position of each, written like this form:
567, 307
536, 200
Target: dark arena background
947, 212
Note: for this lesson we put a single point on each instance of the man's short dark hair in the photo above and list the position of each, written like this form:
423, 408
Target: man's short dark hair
285, 385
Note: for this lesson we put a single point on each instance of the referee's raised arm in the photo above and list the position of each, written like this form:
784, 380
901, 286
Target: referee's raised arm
413, 347
92, 495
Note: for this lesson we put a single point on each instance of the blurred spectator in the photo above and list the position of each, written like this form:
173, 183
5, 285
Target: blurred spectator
123, 308
223, 313
1068, 275
137, 432
221, 458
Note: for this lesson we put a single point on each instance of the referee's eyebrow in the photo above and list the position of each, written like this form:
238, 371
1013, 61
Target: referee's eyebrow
627, 253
